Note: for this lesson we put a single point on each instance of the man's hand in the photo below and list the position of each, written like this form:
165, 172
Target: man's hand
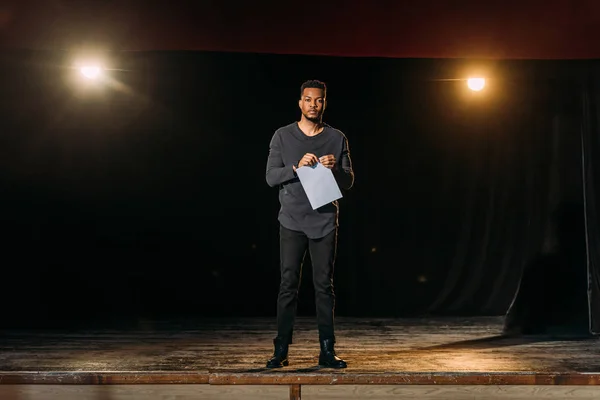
328, 161
308, 159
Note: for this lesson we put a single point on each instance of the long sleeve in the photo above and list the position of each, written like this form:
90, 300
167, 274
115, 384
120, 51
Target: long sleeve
277, 172
343, 173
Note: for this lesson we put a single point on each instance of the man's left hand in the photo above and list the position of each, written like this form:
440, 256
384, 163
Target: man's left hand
328, 161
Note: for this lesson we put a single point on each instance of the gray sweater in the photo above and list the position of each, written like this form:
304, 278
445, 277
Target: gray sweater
287, 147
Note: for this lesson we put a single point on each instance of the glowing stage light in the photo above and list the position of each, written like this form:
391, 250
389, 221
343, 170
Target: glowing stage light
91, 72
476, 84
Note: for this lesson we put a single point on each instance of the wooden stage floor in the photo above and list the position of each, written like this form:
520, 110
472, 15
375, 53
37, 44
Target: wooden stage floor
436, 351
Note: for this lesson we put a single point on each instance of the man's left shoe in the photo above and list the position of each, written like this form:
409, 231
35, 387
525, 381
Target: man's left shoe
327, 357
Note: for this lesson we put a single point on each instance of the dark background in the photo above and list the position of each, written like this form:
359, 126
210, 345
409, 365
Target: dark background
145, 197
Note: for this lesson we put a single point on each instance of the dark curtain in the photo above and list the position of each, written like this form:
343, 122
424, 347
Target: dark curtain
591, 178
148, 198
473, 186
558, 290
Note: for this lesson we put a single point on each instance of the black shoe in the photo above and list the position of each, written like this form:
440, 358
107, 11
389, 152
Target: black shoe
327, 357
280, 354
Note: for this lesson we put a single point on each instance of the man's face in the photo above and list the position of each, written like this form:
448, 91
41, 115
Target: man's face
312, 104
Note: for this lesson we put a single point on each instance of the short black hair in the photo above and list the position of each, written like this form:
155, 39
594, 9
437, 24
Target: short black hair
314, 84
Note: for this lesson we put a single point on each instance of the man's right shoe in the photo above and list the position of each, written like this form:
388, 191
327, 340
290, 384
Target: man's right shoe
280, 354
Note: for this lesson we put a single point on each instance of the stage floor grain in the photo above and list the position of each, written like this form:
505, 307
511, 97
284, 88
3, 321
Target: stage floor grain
378, 351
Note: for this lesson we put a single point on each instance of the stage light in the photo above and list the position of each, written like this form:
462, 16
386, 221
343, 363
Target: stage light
91, 71
476, 84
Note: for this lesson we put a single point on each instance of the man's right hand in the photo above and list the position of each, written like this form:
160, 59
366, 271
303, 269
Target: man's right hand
309, 159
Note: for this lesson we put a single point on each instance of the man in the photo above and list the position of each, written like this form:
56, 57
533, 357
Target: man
300, 144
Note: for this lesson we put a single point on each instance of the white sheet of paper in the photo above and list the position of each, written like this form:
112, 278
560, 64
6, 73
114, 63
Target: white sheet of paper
319, 184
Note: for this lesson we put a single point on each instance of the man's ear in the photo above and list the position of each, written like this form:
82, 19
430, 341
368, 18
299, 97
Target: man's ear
300, 104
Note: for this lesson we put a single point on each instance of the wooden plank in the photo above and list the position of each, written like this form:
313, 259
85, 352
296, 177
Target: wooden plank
141, 377
295, 392
141, 392
102, 378
474, 378
445, 392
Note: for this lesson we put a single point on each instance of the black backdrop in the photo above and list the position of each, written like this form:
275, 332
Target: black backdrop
146, 197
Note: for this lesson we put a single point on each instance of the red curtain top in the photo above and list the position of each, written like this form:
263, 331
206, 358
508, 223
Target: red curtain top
550, 29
